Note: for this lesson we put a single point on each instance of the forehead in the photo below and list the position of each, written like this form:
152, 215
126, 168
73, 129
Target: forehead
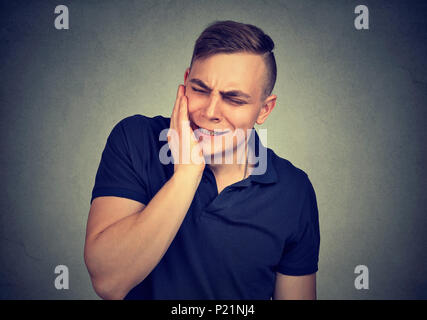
242, 71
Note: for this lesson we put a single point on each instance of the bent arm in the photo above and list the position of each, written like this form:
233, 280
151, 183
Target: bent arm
122, 254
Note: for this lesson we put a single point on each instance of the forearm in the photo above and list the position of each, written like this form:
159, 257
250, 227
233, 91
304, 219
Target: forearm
122, 255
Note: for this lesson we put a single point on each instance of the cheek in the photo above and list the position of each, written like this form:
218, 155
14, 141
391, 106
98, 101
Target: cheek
241, 118
252, 114
194, 103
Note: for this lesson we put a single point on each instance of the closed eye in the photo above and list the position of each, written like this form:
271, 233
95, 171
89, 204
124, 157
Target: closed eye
239, 102
198, 90
235, 101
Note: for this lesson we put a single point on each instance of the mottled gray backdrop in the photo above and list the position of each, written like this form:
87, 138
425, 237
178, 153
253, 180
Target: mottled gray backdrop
351, 112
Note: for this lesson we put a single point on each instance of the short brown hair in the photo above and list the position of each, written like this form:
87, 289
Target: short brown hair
231, 37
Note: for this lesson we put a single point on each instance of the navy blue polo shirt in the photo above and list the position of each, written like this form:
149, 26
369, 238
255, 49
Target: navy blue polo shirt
230, 245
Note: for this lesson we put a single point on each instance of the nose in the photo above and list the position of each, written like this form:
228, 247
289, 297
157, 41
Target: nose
212, 111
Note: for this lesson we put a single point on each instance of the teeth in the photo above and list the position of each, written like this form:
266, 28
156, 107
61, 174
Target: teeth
211, 133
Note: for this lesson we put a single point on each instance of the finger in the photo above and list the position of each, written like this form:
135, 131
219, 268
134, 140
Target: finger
183, 114
179, 117
178, 95
179, 91
184, 108
174, 116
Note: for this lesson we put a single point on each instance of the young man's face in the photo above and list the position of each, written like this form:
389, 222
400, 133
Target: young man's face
225, 93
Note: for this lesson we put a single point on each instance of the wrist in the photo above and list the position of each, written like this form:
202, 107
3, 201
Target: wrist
189, 174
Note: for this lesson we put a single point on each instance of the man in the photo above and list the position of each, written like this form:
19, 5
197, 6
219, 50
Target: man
199, 228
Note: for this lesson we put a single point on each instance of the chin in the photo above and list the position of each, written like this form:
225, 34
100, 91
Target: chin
223, 154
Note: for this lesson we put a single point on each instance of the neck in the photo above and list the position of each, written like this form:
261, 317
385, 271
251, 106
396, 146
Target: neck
240, 168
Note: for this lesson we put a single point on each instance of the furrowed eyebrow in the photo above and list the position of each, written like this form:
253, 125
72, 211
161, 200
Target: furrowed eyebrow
201, 84
235, 93
228, 94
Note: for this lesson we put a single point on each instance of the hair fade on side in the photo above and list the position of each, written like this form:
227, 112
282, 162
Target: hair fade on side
232, 37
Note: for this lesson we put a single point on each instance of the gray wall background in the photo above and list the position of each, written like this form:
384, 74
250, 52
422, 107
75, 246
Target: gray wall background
351, 112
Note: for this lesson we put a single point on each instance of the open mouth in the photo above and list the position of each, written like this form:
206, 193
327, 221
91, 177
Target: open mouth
212, 133
206, 132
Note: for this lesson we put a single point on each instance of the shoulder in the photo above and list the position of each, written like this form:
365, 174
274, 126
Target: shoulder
138, 134
141, 122
139, 128
293, 183
296, 193
288, 174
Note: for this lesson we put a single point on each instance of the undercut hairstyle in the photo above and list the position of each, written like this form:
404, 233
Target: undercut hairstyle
233, 37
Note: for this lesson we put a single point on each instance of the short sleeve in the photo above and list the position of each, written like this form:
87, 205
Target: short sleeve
301, 253
116, 175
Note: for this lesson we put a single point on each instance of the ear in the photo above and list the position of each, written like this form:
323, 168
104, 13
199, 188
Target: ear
187, 72
268, 106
